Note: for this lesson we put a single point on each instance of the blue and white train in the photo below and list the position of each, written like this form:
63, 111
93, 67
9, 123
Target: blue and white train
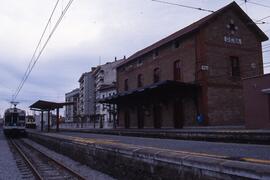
14, 121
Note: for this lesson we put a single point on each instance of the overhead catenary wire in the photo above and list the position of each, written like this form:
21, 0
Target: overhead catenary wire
184, 6
43, 47
263, 18
36, 49
255, 3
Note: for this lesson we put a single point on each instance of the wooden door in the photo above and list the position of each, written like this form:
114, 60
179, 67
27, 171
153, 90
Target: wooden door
140, 116
178, 114
157, 113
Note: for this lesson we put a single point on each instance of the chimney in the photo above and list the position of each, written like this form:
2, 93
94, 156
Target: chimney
124, 57
115, 59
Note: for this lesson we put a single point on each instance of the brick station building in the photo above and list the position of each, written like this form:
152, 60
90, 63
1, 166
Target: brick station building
192, 77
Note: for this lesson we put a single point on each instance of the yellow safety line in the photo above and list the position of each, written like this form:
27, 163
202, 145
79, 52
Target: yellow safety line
256, 160
102, 141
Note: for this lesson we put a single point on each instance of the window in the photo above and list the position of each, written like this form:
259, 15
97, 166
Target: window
176, 44
139, 63
155, 53
235, 66
156, 75
126, 84
269, 105
177, 70
140, 80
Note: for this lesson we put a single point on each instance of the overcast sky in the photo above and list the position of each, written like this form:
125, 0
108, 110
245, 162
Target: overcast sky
91, 30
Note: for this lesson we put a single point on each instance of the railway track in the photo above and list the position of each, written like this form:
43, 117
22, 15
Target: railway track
40, 164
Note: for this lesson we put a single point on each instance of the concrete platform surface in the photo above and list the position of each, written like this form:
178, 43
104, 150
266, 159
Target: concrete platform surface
159, 158
242, 152
233, 134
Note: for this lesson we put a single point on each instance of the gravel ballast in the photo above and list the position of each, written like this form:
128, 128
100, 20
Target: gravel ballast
83, 170
8, 166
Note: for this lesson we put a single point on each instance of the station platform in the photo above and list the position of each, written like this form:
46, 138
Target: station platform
231, 134
132, 157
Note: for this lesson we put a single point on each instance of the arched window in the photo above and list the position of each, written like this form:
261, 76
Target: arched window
140, 80
177, 70
126, 84
156, 75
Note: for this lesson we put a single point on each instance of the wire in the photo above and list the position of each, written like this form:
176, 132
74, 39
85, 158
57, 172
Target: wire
39, 42
44, 46
263, 18
258, 4
185, 6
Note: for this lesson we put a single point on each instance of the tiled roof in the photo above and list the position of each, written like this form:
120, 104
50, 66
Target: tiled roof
196, 26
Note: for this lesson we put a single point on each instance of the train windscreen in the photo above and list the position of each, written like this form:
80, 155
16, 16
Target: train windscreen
11, 119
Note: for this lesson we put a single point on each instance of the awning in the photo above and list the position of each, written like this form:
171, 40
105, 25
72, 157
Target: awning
41, 105
163, 87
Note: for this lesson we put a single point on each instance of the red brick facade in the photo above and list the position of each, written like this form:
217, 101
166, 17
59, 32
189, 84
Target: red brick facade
257, 102
214, 53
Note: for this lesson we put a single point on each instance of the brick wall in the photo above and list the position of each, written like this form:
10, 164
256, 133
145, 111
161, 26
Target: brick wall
225, 95
221, 97
167, 56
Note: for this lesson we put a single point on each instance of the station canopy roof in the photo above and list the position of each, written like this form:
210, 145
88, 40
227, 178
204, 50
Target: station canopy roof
41, 105
165, 87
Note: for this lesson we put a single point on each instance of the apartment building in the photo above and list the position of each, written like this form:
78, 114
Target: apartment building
87, 95
72, 111
105, 86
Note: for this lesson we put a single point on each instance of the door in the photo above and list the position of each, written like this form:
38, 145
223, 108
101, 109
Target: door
157, 113
140, 116
178, 114
127, 119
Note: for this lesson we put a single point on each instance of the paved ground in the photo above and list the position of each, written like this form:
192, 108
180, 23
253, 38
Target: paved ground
257, 153
8, 167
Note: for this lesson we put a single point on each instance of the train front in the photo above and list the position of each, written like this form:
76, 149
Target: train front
14, 122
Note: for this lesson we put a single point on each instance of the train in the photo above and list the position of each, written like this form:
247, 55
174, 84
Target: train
14, 121
30, 122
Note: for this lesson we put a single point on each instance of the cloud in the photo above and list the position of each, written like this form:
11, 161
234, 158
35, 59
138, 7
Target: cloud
91, 30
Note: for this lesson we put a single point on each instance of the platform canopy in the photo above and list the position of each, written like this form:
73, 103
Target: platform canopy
41, 105
167, 88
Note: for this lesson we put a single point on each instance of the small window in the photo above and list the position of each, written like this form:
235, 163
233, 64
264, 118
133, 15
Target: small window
269, 103
176, 44
235, 66
126, 85
139, 63
140, 80
156, 75
155, 53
